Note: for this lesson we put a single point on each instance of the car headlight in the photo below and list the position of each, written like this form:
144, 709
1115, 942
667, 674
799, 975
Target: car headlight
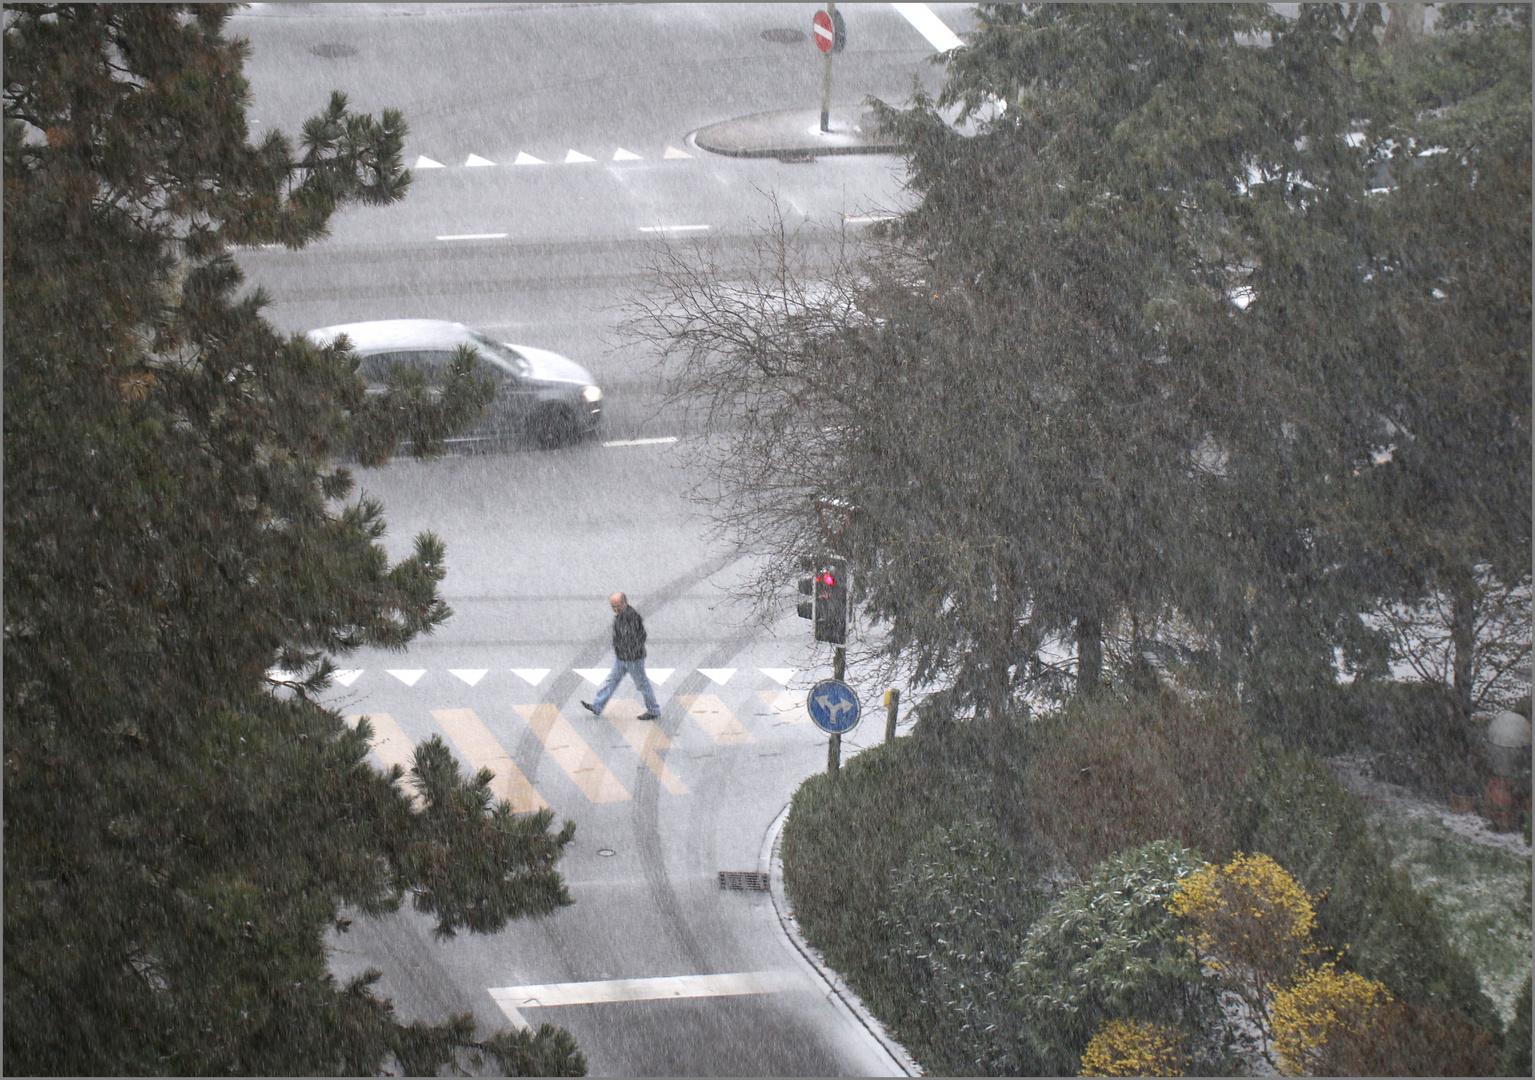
592, 393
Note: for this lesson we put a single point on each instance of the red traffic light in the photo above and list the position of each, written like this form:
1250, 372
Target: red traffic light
826, 579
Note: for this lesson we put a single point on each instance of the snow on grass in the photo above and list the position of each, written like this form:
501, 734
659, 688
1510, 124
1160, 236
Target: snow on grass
1483, 894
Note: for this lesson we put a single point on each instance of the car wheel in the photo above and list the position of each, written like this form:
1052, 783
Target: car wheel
551, 428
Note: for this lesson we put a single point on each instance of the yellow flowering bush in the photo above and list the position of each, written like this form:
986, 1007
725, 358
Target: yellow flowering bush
1134, 1048
1322, 1007
1251, 924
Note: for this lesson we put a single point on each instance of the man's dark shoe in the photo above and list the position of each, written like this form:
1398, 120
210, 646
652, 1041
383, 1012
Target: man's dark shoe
587, 705
650, 716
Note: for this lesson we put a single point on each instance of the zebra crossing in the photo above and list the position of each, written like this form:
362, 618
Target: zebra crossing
533, 676
589, 755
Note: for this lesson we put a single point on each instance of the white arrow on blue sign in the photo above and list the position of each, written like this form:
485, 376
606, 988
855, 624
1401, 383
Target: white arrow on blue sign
833, 706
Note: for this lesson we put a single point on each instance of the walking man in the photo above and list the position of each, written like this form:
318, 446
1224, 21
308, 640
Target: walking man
628, 659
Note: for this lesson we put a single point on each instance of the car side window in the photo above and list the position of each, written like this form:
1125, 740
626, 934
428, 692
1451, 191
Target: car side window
432, 363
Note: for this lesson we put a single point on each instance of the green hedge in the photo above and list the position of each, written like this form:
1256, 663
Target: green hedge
844, 844
958, 910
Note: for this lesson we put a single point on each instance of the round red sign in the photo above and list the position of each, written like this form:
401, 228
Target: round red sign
824, 35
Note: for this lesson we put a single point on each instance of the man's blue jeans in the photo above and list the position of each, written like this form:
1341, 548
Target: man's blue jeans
635, 669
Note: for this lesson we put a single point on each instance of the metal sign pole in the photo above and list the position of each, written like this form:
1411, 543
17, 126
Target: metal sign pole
831, 10
834, 743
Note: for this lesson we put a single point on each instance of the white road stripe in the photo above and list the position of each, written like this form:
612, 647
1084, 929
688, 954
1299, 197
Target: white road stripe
642, 442
672, 986
424, 162
929, 26
475, 236
474, 161
672, 228
867, 220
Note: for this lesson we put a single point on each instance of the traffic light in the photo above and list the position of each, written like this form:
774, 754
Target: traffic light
831, 602
828, 603
806, 608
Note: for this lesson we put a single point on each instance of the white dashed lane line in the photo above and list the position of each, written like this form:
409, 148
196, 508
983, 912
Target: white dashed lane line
572, 157
475, 236
672, 228
642, 442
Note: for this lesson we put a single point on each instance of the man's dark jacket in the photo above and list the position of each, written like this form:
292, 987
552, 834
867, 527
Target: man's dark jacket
629, 635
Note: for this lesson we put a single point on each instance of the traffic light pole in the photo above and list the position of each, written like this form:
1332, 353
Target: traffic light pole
834, 742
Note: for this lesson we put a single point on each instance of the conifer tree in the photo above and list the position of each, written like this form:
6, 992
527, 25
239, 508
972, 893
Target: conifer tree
181, 831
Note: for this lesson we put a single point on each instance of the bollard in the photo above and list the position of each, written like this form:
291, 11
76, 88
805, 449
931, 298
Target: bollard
892, 701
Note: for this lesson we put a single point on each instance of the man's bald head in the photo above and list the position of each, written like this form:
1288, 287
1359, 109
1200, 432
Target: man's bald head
619, 601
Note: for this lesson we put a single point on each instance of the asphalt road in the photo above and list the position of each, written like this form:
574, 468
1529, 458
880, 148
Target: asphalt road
537, 540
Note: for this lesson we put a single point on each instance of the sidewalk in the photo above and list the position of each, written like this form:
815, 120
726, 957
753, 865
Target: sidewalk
795, 135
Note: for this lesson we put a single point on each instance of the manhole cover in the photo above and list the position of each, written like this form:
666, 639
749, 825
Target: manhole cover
332, 50
783, 37
606, 852
743, 879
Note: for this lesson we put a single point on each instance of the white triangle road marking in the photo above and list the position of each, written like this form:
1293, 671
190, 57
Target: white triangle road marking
410, 677
673, 152
720, 675
427, 163
623, 155
780, 675
573, 157
347, 678
593, 675
531, 675
528, 159
469, 675
659, 675
477, 161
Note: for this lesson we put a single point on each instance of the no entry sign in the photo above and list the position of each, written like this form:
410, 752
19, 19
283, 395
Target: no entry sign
825, 36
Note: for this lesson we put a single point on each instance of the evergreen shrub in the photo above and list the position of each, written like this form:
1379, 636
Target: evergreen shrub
1110, 949
958, 912
1416, 738
1109, 773
1292, 809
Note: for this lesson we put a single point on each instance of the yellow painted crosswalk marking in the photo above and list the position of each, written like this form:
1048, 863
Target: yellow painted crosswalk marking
646, 737
715, 718
481, 750
788, 705
572, 753
390, 745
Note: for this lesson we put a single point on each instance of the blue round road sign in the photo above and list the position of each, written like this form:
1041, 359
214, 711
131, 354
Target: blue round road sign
833, 706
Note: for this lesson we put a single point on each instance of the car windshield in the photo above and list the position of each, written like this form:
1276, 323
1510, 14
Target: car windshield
497, 351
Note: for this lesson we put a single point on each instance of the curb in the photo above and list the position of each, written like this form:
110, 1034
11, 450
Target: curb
733, 138
901, 1062
796, 151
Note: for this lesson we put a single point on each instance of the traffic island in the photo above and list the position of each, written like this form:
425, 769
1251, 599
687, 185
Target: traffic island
796, 135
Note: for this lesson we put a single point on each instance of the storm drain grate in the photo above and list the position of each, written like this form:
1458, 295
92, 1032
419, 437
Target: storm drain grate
743, 879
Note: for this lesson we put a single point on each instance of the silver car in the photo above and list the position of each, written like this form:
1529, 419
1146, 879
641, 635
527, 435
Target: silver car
541, 396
